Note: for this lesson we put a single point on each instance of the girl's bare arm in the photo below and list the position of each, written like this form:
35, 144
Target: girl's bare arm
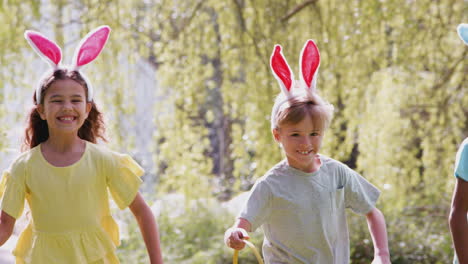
148, 228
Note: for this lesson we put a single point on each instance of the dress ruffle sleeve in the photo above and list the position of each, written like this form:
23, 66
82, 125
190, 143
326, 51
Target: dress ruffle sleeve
125, 180
13, 192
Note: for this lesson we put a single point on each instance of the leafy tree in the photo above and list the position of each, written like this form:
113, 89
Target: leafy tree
394, 70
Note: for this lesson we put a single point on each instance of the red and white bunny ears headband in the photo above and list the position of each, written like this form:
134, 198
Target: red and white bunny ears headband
309, 62
87, 51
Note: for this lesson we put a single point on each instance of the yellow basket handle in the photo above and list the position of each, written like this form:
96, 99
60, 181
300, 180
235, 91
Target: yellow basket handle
236, 253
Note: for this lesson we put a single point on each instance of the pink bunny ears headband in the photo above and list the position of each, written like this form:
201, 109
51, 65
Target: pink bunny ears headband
309, 62
88, 49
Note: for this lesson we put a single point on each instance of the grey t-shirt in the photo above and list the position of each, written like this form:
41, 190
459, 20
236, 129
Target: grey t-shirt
303, 214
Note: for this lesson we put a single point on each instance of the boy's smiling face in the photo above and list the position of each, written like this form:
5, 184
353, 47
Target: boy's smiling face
301, 143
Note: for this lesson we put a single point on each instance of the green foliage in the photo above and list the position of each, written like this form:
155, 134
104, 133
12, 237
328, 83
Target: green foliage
394, 70
188, 243
193, 235
15, 16
220, 83
415, 236
132, 249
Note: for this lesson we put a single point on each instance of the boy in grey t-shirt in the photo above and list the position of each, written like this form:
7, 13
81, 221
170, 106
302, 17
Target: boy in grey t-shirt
300, 203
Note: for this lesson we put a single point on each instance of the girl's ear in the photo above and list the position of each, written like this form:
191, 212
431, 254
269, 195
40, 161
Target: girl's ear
88, 108
40, 110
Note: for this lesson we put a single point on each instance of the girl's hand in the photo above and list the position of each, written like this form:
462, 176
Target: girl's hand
234, 238
381, 260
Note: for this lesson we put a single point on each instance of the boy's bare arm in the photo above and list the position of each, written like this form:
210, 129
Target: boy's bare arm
235, 235
7, 223
457, 220
378, 231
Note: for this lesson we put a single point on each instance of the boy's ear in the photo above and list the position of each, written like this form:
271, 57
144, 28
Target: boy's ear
40, 110
276, 135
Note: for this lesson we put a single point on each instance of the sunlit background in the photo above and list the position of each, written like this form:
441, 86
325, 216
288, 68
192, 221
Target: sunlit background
186, 89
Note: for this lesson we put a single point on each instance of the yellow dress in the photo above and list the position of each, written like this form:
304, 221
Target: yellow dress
70, 216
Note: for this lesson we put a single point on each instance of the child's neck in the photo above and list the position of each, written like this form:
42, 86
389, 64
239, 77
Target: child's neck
63, 144
310, 168
315, 165
63, 153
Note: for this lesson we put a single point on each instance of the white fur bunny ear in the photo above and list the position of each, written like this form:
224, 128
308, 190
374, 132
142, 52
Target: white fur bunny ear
90, 46
47, 49
282, 71
309, 62
462, 30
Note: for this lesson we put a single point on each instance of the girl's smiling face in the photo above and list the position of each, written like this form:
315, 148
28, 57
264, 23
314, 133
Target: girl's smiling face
64, 107
301, 143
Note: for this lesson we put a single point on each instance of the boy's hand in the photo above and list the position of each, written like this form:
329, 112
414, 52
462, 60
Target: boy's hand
381, 260
234, 238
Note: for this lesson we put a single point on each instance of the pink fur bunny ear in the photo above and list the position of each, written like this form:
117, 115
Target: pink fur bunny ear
282, 71
309, 62
90, 46
47, 49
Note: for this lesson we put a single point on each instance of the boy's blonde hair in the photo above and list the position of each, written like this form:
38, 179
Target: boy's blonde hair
295, 109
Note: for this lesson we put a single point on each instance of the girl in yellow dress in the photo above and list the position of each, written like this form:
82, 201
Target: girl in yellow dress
65, 176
